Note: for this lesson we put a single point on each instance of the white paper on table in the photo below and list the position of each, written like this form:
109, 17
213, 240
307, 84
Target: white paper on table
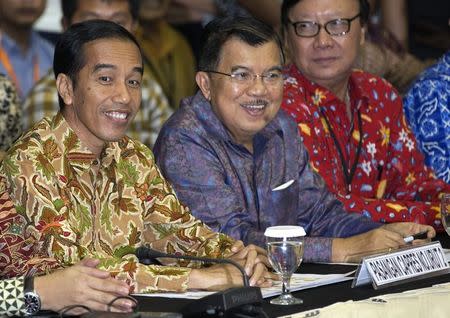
298, 282
305, 281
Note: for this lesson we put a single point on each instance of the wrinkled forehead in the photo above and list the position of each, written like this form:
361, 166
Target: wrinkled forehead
323, 8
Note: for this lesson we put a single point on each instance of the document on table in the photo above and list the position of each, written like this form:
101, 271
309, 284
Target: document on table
298, 282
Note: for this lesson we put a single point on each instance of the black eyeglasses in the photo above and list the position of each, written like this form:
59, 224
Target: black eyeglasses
243, 77
337, 27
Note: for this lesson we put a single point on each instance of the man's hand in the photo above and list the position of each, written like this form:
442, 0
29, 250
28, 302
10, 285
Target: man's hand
222, 276
389, 236
408, 228
82, 284
254, 257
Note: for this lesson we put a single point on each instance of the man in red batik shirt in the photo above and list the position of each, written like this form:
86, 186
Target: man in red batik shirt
352, 122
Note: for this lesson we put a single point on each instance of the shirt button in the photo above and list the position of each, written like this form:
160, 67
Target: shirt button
95, 162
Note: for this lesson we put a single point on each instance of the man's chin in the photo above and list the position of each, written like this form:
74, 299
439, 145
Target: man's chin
114, 137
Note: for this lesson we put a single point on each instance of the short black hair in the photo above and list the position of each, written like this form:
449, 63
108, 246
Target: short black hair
287, 5
69, 7
220, 30
69, 57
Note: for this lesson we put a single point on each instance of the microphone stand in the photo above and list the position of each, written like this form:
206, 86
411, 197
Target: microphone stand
224, 303
148, 256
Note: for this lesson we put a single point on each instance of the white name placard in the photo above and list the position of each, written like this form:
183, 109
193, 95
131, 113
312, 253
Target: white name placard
403, 265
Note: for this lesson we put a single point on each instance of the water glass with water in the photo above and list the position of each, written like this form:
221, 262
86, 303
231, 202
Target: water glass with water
285, 252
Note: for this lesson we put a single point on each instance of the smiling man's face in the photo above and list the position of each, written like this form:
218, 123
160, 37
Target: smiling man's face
107, 92
244, 108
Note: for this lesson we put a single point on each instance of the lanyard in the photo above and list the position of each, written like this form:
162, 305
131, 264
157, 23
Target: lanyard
4, 59
348, 174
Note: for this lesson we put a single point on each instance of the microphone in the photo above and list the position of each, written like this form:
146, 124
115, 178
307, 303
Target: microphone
148, 256
230, 300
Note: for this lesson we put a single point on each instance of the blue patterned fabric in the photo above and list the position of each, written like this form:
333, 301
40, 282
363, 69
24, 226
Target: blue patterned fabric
231, 189
427, 108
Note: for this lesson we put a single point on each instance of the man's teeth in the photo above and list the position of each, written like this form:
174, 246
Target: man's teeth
117, 115
255, 106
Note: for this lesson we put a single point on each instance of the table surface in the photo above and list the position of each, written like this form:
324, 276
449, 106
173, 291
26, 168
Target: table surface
312, 298
315, 297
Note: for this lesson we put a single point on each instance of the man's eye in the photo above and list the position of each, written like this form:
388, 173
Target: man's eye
105, 79
242, 76
305, 25
337, 23
272, 75
134, 83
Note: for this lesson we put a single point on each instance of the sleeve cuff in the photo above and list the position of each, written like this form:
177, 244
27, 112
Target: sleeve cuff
317, 249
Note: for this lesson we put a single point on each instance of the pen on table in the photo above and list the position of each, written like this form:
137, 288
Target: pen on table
417, 236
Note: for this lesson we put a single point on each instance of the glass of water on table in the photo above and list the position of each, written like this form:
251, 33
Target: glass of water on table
285, 253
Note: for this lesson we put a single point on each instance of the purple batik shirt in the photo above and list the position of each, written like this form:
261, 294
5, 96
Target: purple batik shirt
231, 189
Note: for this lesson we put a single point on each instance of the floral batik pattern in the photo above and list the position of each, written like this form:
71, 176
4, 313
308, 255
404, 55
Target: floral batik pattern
390, 181
10, 114
71, 205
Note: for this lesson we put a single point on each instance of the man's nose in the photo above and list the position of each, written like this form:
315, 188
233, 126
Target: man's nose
323, 39
122, 93
257, 85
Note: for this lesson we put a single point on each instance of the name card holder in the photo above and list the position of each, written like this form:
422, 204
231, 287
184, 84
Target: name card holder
401, 266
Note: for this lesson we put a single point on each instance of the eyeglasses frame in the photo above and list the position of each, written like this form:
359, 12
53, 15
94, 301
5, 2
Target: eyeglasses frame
255, 76
320, 26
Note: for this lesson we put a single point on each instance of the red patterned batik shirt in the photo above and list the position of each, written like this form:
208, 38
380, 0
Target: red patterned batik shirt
370, 162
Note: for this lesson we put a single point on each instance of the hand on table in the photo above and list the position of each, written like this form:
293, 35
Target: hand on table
222, 276
389, 236
82, 284
255, 257
408, 228
252, 258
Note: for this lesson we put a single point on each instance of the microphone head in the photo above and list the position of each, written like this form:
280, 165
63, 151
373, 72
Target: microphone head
144, 252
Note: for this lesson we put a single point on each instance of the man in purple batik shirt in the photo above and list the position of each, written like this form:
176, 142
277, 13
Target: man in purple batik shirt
239, 163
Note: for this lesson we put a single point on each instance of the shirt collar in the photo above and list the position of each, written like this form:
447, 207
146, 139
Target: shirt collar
77, 153
10, 46
321, 95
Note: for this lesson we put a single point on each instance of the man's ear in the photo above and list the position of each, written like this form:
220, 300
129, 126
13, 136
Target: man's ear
64, 86
204, 83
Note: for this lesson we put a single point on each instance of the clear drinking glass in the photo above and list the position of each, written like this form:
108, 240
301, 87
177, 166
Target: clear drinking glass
445, 212
285, 252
